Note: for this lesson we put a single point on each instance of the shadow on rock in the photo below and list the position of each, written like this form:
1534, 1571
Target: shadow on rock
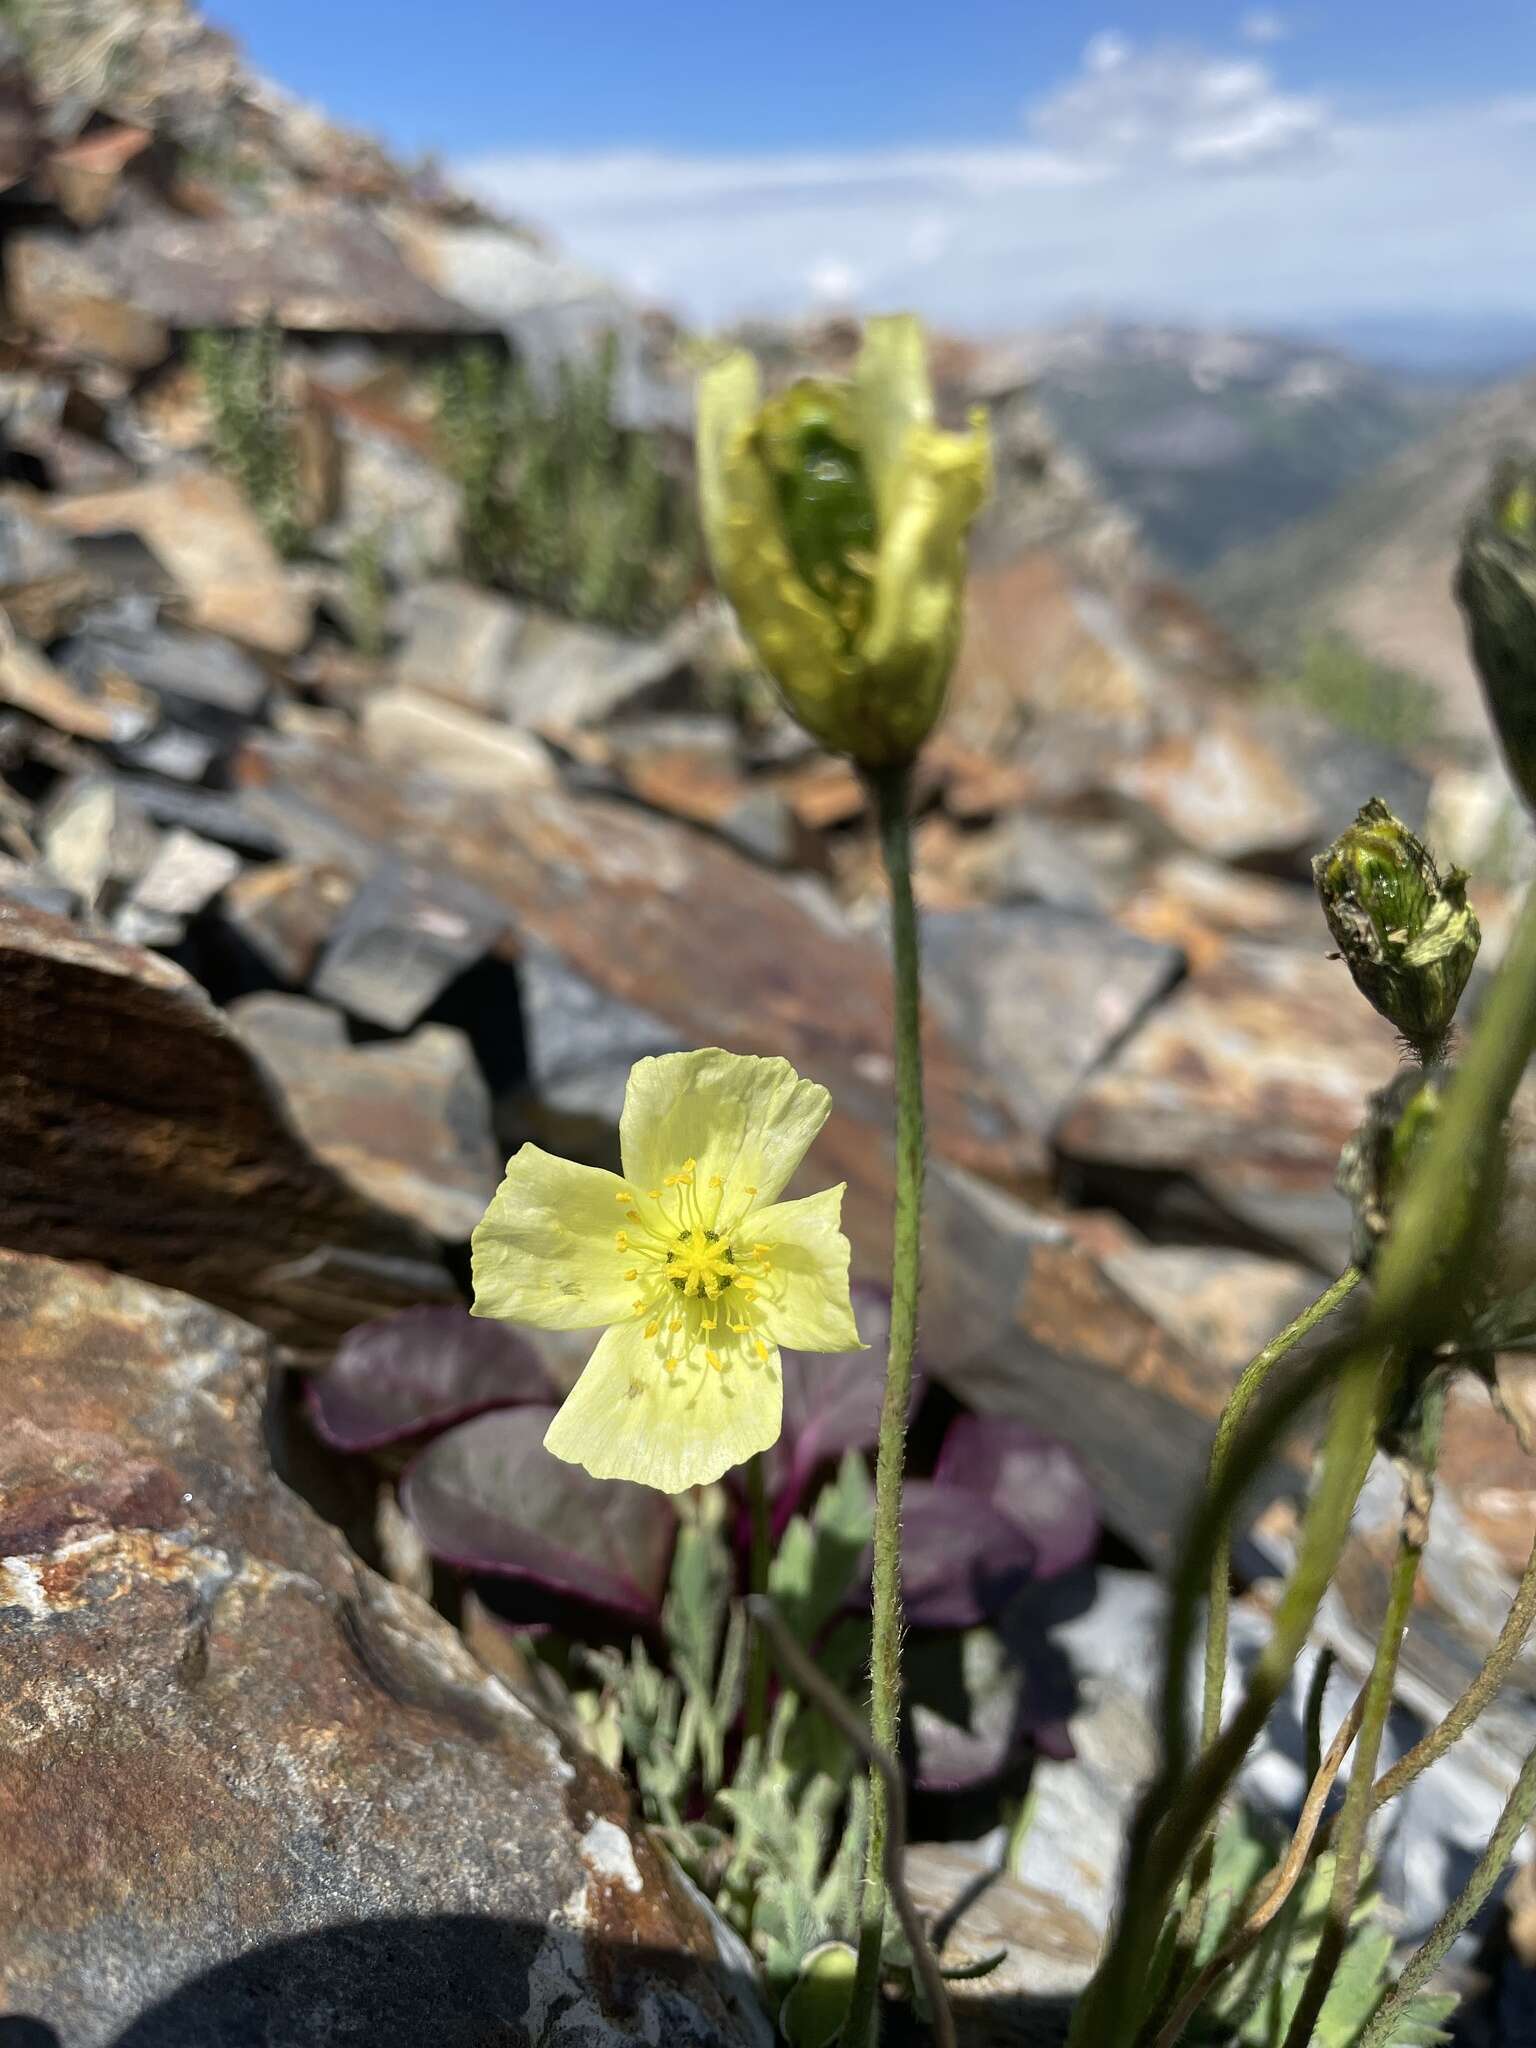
462, 1981
455, 1980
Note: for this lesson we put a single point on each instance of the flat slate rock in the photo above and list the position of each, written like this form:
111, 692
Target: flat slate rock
204, 679
1246, 1082
580, 1042
285, 912
1041, 995
409, 931
197, 524
1047, 1950
137, 1130
259, 1793
324, 267
407, 1122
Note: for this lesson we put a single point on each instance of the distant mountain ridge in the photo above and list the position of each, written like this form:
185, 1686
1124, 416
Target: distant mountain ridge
1216, 439
1376, 564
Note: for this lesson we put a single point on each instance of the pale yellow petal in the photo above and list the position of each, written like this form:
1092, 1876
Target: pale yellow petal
891, 395
545, 1251
743, 1120
803, 1299
627, 1417
914, 627
794, 634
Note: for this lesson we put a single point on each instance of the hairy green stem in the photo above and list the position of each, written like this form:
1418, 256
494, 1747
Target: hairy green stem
891, 789
757, 1584
1354, 1816
1219, 1596
1424, 1962
820, 1689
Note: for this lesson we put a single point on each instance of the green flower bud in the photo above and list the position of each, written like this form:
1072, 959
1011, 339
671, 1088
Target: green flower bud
1496, 588
816, 2008
836, 517
1408, 936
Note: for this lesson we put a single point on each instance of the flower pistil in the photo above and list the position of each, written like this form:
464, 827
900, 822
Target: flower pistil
700, 1280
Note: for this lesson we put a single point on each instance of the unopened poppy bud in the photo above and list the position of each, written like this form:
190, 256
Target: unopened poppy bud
1408, 935
836, 516
1496, 588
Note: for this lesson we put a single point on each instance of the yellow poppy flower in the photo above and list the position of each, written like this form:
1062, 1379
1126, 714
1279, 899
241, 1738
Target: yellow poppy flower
699, 1270
836, 517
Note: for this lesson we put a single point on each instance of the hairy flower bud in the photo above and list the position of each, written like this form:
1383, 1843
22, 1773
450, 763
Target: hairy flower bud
836, 517
1408, 936
1496, 588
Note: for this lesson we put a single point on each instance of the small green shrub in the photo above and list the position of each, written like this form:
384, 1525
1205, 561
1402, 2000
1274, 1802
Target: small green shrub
252, 429
1389, 705
367, 593
559, 503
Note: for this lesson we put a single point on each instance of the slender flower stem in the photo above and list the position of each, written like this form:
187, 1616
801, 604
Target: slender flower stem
1219, 1597
1424, 1962
891, 789
1355, 1814
1312, 1718
757, 1584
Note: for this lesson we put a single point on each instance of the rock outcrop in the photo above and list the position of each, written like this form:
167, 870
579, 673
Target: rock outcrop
248, 1782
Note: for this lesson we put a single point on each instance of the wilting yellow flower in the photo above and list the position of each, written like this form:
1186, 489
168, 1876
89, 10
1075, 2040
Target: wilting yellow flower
700, 1271
836, 517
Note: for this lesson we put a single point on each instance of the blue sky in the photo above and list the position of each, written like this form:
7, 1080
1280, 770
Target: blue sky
994, 164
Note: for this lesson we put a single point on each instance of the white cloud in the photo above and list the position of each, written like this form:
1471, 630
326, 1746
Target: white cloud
833, 281
1106, 51
1174, 104
1263, 25
1158, 182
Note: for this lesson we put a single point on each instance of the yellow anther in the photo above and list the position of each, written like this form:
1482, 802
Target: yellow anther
714, 1358
752, 1193
670, 1364
711, 1317
632, 1273
715, 1181
651, 1329
621, 1241
623, 1195
653, 1194
761, 1348
739, 1329
634, 1216
640, 1307
675, 1325
761, 1251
